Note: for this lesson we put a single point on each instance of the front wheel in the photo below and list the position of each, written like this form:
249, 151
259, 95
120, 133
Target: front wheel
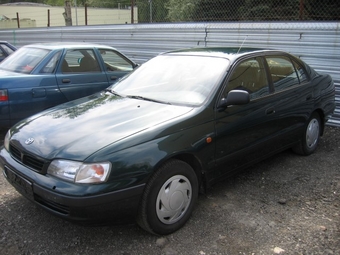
311, 136
169, 198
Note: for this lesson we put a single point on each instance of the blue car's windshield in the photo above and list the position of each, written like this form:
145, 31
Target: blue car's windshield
24, 60
174, 79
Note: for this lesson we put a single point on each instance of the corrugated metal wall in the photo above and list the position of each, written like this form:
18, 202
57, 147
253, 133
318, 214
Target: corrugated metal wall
318, 43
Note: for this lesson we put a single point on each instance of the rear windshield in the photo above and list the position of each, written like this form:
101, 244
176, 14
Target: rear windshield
24, 60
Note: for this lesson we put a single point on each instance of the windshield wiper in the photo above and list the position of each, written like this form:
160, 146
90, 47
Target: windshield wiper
112, 92
147, 99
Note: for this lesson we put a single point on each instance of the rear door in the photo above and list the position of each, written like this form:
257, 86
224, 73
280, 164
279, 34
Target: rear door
80, 74
293, 95
36, 91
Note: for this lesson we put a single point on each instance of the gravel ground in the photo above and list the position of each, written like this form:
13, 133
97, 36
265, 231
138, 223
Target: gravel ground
288, 204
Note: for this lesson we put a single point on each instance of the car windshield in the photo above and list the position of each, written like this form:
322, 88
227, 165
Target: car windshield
174, 79
23, 60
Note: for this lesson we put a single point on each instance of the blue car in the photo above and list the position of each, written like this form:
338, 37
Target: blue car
6, 49
39, 76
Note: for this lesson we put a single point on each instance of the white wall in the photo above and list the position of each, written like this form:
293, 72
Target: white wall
37, 16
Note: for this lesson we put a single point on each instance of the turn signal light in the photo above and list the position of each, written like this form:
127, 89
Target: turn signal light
3, 95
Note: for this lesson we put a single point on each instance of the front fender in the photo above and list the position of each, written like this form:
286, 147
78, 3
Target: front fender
135, 165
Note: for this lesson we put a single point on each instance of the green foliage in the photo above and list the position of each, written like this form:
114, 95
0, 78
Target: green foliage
180, 10
215, 10
322, 9
55, 2
152, 11
269, 10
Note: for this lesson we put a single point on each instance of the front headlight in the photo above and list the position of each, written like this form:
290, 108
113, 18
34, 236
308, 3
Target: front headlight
6, 141
79, 172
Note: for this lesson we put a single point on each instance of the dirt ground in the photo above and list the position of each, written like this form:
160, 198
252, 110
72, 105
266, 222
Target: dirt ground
288, 204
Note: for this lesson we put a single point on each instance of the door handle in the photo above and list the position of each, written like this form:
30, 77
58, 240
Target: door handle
270, 111
66, 80
113, 78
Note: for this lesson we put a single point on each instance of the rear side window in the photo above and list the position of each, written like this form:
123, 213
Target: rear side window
51, 65
24, 60
114, 62
282, 72
300, 72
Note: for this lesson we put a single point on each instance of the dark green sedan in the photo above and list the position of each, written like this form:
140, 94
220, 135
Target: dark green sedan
184, 120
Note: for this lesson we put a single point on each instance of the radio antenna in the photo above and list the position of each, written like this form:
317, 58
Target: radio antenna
242, 44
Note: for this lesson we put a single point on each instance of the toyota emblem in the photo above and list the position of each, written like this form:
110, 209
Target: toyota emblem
29, 141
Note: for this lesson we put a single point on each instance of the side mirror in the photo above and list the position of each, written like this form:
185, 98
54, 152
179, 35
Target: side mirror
235, 97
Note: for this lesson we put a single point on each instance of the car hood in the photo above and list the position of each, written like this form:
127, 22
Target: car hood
77, 129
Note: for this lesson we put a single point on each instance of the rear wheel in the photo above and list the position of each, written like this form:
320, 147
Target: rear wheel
169, 198
311, 136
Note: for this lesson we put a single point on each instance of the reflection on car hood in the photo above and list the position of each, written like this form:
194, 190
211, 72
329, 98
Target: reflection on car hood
85, 126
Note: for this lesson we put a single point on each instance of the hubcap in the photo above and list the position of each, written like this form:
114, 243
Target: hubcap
312, 134
173, 199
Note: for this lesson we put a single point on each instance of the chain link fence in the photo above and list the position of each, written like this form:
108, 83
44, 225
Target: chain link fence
156, 11
174, 11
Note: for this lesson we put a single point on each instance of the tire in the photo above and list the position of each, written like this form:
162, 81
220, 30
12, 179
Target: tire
311, 136
169, 198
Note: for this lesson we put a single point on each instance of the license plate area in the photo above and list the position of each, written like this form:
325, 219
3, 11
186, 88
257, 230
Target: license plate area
23, 185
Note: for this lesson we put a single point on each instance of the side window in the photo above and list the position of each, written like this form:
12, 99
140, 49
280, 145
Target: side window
80, 61
51, 65
300, 72
114, 62
249, 75
282, 72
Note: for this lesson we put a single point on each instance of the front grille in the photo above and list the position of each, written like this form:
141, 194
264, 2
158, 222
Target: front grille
15, 153
27, 159
33, 162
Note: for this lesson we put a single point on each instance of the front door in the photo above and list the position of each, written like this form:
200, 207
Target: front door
242, 130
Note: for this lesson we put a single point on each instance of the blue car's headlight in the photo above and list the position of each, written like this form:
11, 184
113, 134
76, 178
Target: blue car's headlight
79, 172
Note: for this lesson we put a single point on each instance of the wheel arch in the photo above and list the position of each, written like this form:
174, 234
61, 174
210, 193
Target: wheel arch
322, 120
196, 166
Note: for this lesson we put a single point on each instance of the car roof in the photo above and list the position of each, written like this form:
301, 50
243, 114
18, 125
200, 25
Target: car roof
226, 52
67, 45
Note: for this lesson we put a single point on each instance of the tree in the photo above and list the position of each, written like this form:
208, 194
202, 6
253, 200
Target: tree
68, 14
180, 10
270, 10
323, 9
55, 2
217, 10
152, 11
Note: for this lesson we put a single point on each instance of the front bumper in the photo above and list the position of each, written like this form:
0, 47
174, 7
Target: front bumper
114, 206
